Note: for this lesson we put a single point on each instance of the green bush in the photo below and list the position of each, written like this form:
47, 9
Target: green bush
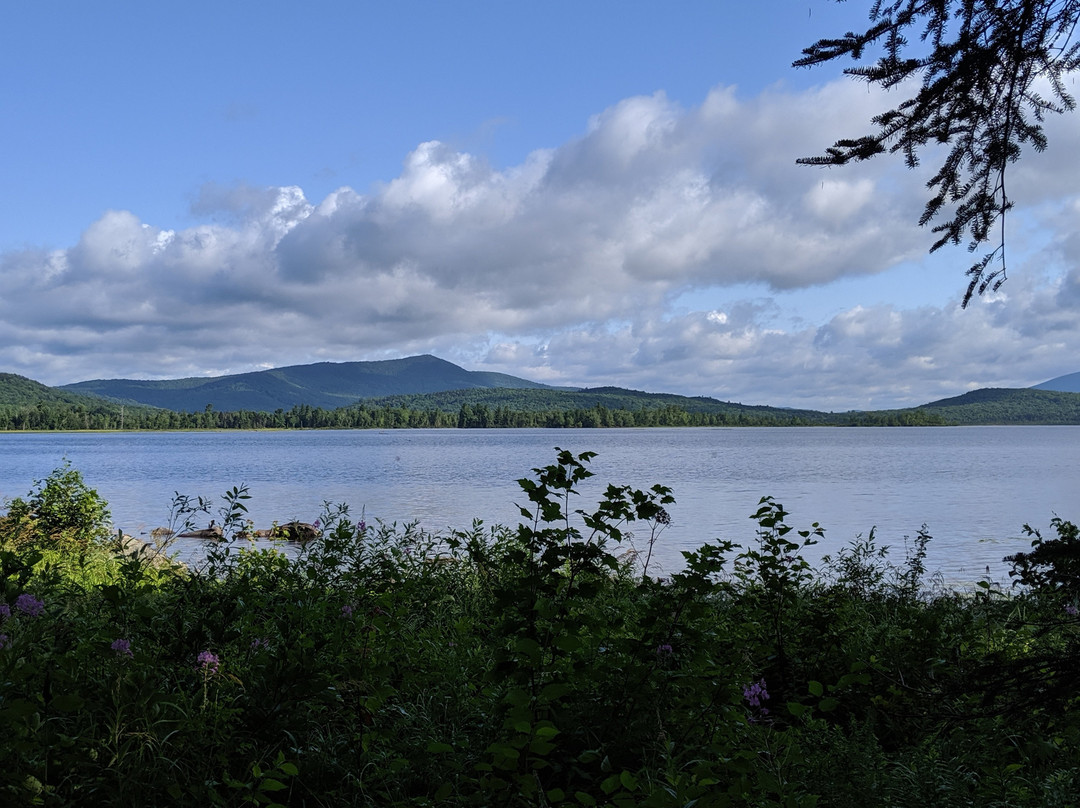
1053, 565
61, 510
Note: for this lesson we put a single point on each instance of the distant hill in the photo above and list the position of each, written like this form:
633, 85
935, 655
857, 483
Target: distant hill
1003, 405
30, 405
20, 391
326, 384
1070, 383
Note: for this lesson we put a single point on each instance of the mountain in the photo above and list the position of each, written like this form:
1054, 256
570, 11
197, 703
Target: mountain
1002, 405
425, 383
1069, 383
326, 384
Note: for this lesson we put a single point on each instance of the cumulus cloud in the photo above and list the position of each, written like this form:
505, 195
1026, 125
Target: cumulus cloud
563, 268
869, 357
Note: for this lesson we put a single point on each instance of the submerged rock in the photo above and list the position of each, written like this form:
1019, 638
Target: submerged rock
294, 531
213, 532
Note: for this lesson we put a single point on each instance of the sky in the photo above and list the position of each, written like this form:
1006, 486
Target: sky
579, 193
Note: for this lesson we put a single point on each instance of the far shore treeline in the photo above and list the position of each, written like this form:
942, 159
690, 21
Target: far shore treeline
364, 416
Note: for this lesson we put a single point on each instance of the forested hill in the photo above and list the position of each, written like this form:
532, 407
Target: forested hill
19, 390
325, 384
1002, 405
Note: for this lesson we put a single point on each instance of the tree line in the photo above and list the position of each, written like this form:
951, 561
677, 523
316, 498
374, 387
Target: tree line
58, 416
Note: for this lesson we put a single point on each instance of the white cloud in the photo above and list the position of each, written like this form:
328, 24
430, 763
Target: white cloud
562, 269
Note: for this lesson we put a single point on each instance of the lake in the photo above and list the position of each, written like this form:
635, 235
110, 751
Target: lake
974, 487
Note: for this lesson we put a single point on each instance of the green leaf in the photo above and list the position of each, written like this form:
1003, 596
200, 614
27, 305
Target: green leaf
568, 643
628, 780
111, 593
270, 784
18, 708
443, 791
436, 747
815, 689
541, 747
518, 697
67, 703
553, 691
529, 647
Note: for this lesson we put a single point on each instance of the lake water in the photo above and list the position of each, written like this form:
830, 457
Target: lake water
974, 487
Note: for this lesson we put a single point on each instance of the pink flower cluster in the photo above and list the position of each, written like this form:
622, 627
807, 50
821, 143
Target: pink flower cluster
122, 648
29, 605
756, 695
208, 662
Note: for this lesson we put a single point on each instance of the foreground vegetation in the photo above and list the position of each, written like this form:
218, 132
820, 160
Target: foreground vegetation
386, 666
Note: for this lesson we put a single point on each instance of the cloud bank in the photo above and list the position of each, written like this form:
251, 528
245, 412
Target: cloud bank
567, 268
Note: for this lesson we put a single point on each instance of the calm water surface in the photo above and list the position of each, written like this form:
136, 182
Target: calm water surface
974, 487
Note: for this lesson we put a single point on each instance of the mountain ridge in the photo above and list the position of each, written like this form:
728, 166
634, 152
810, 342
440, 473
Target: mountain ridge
322, 384
434, 384
1069, 383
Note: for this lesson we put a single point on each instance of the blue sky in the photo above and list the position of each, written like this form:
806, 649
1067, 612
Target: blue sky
579, 193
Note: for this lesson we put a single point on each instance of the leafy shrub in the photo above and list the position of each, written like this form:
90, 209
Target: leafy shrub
61, 510
1053, 565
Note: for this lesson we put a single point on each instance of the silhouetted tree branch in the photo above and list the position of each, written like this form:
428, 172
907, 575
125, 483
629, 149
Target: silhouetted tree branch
982, 65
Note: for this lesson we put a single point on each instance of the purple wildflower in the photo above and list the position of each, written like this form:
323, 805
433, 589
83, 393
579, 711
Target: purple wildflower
5, 612
315, 524
260, 642
756, 694
29, 605
1071, 610
122, 648
208, 661
361, 526
664, 648
4, 642
347, 610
